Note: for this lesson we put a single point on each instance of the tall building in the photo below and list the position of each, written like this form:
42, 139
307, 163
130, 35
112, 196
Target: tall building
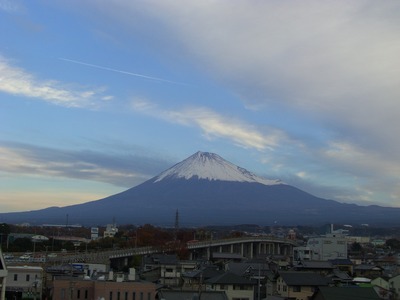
333, 245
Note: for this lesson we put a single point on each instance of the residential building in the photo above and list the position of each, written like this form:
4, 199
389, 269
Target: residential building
381, 286
24, 282
345, 293
368, 270
299, 285
168, 269
322, 267
194, 280
111, 230
191, 295
394, 285
73, 288
345, 265
330, 246
236, 287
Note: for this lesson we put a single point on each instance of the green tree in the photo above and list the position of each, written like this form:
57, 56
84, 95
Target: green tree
4, 232
356, 247
393, 244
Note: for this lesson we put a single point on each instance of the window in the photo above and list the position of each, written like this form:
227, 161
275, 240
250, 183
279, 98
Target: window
284, 288
118, 295
62, 294
15, 277
78, 294
141, 295
27, 277
134, 296
86, 294
126, 296
148, 296
110, 298
297, 289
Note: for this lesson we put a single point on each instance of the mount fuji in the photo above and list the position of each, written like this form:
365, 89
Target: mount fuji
208, 190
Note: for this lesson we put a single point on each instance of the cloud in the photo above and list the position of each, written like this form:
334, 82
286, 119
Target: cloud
214, 125
331, 64
117, 169
18, 82
11, 6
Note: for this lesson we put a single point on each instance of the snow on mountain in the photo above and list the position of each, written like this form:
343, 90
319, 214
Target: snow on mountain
205, 165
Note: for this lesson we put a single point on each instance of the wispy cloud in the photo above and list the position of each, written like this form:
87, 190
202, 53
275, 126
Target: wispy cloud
16, 81
214, 125
121, 170
10, 6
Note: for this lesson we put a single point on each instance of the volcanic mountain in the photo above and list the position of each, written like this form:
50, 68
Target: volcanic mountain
208, 190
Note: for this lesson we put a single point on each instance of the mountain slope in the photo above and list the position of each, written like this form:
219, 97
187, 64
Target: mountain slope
208, 190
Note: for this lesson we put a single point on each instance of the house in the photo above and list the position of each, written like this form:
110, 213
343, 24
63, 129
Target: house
299, 285
235, 286
194, 280
167, 269
66, 288
256, 270
370, 271
319, 266
191, 295
345, 293
24, 282
381, 286
3, 276
340, 278
394, 285
345, 265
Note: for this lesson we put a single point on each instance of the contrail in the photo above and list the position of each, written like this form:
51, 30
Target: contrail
118, 71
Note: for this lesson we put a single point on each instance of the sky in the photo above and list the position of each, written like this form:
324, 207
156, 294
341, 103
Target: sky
99, 96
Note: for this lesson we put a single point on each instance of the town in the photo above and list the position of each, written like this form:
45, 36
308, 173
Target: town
246, 262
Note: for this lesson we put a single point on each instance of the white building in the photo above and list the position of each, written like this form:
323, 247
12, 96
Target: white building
24, 282
111, 230
3, 276
331, 246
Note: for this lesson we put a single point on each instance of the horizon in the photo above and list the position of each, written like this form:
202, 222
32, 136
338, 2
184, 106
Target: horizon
97, 97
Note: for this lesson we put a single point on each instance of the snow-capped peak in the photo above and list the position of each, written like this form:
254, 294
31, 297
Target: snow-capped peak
205, 165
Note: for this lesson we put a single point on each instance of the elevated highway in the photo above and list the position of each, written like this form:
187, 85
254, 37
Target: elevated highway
247, 247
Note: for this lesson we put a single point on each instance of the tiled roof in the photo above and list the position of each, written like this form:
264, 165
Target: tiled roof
315, 264
341, 261
230, 278
303, 279
347, 293
191, 295
205, 273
